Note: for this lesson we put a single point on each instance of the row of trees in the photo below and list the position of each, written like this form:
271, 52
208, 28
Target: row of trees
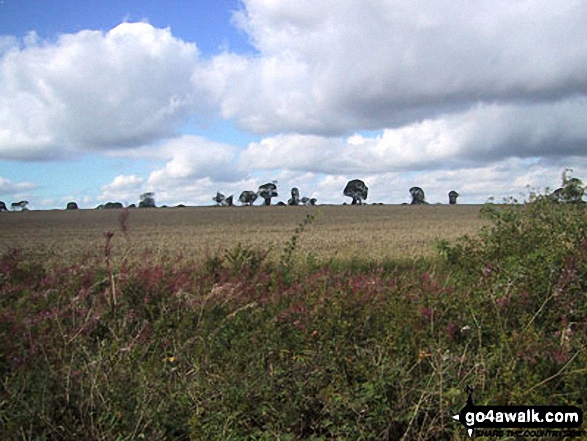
572, 191
16, 206
266, 192
147, 200
358, 191
355, 189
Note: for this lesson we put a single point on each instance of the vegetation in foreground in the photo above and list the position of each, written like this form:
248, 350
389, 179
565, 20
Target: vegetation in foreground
239, 346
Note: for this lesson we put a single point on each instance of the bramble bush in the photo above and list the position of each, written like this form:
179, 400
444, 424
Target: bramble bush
239, 346
527, 271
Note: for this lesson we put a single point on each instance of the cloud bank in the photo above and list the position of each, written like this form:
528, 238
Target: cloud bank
384, 64
386, 91
93, 90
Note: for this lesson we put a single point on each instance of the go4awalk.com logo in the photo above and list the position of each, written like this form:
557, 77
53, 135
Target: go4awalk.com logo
515, 418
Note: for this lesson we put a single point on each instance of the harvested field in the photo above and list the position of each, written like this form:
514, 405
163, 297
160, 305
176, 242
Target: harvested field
374, 232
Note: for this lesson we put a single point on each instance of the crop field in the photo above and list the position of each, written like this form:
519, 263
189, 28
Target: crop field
179, 324
345, 232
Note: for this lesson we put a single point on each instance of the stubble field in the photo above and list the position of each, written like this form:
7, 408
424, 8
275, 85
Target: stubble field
338, 232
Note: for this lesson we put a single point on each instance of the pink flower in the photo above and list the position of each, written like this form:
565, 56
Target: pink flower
426, 313
502, 301
488, 269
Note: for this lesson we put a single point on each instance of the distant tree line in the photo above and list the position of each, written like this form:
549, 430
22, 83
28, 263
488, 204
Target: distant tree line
572, 191
15, 206
354, 189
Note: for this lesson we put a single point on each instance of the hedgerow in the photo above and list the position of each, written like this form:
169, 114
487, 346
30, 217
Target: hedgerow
239, 346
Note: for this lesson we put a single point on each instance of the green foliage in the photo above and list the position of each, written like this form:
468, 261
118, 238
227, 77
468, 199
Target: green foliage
236, 348
286, 261
528, 245
572, 190
244, 258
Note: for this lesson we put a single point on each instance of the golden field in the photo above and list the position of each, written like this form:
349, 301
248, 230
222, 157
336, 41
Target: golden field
373, 232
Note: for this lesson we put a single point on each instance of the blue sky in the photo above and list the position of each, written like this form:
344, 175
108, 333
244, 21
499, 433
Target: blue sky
208, 23
102, 101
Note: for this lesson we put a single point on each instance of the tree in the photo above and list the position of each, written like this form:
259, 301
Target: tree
19, 205
113, 205
295, 197
452, 197
247, 197
220, 199
71, 206
417, 196
572, 190
357, 190
268, 191
3, 206
147, 200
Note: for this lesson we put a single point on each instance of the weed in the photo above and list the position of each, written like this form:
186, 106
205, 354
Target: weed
286, 260
244, 259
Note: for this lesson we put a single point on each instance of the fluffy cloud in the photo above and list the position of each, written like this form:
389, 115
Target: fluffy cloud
501, 179
476, 185
483, 97
191, 158
94, 90
125, 188
194, 169
484, 134
336, 66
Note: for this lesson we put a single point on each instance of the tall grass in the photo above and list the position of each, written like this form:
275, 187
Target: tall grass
239, 346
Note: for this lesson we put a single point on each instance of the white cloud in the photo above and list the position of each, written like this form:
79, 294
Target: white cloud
191, 158
483, 134
124, 182
500, 179
330, 67
94, 90
483, 97
125, 188
17, 191
194, 169
9, 188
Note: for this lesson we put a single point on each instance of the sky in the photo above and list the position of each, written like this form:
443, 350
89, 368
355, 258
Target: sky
105, 100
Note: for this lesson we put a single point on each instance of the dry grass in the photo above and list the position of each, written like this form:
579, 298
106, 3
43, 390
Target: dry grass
378, 232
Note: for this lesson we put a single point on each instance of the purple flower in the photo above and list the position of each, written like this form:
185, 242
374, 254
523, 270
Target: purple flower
426, 313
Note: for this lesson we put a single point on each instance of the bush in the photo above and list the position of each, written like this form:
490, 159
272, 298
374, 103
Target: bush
526, 271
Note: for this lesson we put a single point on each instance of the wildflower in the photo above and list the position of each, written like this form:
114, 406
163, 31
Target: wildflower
488, 269
423, 354
503, 301
427, 313
560, 355
169, 359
